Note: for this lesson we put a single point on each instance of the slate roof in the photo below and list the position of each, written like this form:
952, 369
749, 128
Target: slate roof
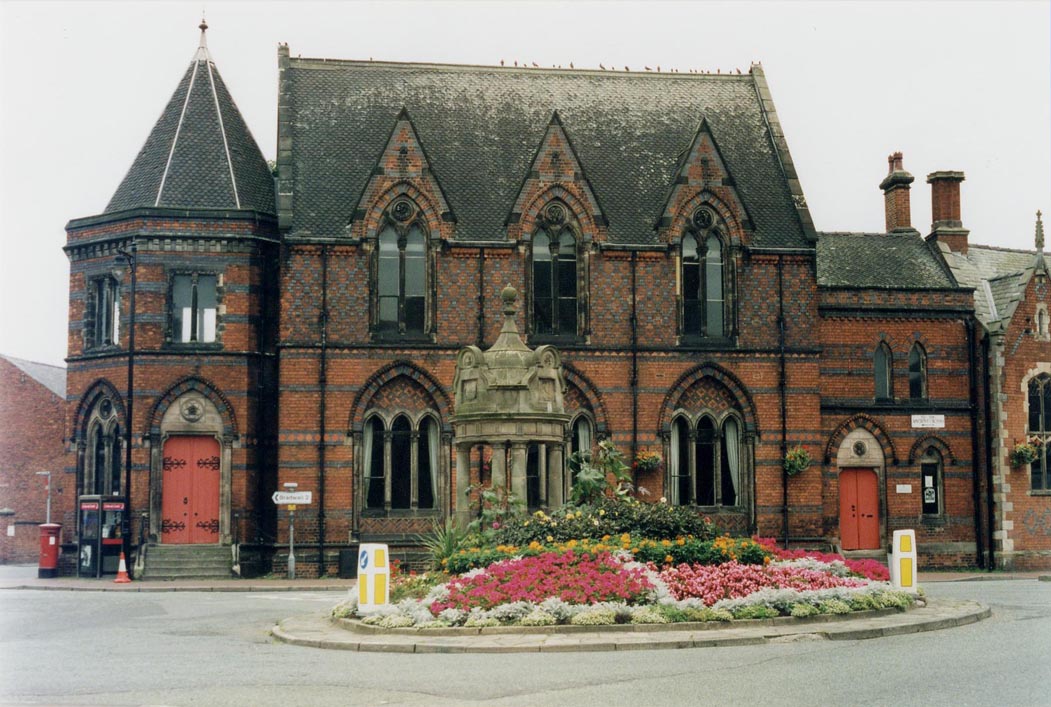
879, 261
999, 275
51, 377
480, 127
200, 154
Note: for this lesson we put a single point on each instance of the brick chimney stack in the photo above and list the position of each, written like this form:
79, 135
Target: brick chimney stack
946, 226
895, 188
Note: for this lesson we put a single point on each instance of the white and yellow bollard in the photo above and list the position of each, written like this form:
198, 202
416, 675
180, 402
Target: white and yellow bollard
373, 576
903, 561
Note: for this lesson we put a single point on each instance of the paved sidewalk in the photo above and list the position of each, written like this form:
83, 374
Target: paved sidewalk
25, 577
317, 631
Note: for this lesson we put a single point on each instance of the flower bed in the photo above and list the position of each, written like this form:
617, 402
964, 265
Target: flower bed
589, 587
574, 578
660, 552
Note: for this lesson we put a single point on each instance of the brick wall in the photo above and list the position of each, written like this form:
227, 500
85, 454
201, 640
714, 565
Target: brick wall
31, 440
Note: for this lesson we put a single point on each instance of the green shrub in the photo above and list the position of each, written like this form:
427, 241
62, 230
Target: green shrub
710, 614
834, 606
607, 516
415, 586
480, 622
801, 611
538, 617
756, 611
442, 542
594, 617
894, 600
395, 621
648, 615
864, 602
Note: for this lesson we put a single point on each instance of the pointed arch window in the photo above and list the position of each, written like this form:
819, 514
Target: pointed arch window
401, 273
917, 372
1040, 431
400, 464
882, 360
705, 302
705, 463
555, 274
103, 462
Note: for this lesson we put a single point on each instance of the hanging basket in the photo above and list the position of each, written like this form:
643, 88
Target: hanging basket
1024, 453
796, 460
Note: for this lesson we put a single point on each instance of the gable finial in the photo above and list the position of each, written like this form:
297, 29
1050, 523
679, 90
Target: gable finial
1039, 232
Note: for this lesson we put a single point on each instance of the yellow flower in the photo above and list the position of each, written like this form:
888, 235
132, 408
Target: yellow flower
680, 541
668, 559
602, 511
550, 539
666, 543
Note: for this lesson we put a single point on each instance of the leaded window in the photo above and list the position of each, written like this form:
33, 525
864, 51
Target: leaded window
704, 462
882, 360
917, 373
194, 308
400, 464
705, 301
105, 321
103, 461
1040, 431
401, 273
555, 274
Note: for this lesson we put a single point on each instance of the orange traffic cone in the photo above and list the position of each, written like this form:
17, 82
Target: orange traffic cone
122, 572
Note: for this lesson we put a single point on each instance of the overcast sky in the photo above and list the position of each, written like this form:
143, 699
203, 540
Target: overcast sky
955, 86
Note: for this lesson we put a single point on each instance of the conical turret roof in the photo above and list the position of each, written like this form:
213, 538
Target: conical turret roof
200, 154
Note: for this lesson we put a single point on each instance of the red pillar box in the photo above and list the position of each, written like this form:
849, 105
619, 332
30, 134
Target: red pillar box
50, 542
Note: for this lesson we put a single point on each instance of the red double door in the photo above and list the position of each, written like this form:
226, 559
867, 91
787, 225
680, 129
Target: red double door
859, 509
190, 491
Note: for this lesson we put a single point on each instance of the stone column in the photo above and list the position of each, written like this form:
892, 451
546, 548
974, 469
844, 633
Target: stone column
460, 506
541, 461
414, 470
499, 466
519, 483
388, 438
556, 476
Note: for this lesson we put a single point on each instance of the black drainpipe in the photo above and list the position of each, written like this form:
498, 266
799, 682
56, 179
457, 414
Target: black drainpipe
975, 445
781, 384
634, 371
322, 379
989, 432
481, 298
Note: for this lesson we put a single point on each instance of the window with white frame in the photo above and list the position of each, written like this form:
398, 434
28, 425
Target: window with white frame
194, 308
105, 321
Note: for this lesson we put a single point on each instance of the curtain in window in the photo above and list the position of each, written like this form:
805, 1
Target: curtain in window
366, 458
115, 462
432, 448
584, 434
731, 438
917, 373
713, 277
673, 466
881, 361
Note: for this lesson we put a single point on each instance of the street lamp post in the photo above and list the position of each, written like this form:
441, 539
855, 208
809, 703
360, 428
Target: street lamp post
129, 257
291, 486
48, 475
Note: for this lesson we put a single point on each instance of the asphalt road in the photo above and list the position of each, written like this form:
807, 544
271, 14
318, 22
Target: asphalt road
88, 648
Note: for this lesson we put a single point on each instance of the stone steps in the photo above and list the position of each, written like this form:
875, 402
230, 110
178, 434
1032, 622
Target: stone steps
187, 562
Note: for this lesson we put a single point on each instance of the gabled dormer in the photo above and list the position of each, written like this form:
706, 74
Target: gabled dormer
200, 154
402, 173
556, 174
702, 178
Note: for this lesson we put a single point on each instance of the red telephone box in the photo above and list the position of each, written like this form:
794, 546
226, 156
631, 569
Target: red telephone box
101, 537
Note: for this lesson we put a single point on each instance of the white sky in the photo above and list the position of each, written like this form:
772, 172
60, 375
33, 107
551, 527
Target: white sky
960, 86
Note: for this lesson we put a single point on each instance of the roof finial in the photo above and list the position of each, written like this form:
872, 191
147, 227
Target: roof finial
202, 48
1039, 232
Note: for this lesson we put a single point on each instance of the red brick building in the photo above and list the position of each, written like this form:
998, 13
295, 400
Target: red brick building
32, 419
304, 327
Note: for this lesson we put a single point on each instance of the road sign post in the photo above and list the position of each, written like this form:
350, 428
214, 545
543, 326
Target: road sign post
290, 497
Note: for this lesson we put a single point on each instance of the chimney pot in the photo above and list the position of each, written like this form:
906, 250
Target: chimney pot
895, 188
946, 226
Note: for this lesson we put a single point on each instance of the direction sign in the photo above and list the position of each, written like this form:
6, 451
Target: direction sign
283, 497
